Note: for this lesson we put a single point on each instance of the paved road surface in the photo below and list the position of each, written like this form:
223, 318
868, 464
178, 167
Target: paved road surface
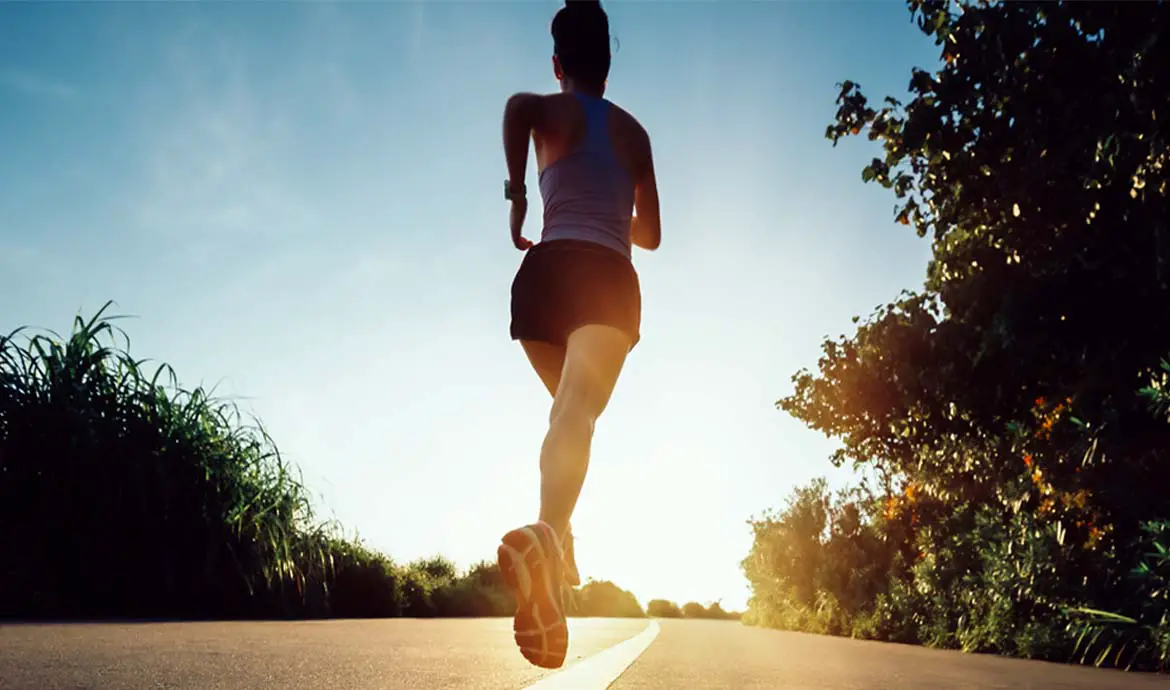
349, 654
478, 654
725, 654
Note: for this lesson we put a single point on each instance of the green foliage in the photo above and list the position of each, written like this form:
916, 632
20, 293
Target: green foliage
661, 608
124, 495
715, 611
479, 593
712, 611
604, 598
366, 584
1123, 640
127, 497
1018, 467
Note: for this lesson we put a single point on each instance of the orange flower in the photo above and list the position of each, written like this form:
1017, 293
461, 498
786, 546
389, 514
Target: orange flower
1081, 498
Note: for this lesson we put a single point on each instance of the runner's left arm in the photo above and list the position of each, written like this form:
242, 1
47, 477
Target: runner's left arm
520, 117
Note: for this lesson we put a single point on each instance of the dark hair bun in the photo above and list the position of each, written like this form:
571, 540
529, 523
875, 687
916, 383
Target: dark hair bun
590, 7
581, 40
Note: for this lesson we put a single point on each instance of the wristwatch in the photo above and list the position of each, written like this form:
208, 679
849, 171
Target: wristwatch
512, 192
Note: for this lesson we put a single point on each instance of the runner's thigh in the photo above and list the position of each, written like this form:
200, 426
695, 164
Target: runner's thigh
593, 360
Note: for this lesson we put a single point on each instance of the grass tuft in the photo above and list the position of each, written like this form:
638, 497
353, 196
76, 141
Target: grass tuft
124, 495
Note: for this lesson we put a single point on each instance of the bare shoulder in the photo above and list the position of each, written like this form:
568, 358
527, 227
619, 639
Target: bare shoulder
533, 108
630, 124
524, 101
631, 137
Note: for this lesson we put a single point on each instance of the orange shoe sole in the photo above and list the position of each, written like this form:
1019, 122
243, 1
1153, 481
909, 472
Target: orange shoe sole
539, 626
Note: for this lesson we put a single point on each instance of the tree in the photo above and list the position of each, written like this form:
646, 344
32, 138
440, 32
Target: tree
661, 608
786, 552
604, 598
439, 569
1026, 345
1004, 391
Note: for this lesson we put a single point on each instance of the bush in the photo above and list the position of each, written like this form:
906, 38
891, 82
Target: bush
128, 497
604, 598
1141, 639
661, 608
366, 585
124, 495
1015, 475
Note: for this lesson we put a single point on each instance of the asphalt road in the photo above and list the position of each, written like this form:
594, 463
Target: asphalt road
303, 655
726, 654
478, 654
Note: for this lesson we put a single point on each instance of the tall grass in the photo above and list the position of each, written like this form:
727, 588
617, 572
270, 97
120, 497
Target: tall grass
124, 495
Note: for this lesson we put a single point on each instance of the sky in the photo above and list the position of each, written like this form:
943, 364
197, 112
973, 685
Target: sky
300, 206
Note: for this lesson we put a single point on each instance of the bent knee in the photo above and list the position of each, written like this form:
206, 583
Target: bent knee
575, 406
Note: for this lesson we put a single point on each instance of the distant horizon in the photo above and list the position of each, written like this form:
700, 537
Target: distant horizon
301, 205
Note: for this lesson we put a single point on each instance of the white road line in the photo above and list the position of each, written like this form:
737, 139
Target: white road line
600, 670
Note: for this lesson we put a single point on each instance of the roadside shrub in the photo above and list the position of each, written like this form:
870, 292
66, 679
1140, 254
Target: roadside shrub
661, 608
123, 494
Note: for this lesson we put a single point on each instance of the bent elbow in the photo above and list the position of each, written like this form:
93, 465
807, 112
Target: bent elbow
649, 243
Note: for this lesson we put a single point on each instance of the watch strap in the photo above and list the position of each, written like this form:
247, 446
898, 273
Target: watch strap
514, 191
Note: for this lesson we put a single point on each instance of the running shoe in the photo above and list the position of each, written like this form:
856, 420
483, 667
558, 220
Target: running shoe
532, 563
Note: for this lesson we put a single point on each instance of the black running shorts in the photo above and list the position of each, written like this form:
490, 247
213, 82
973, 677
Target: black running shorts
562, 285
